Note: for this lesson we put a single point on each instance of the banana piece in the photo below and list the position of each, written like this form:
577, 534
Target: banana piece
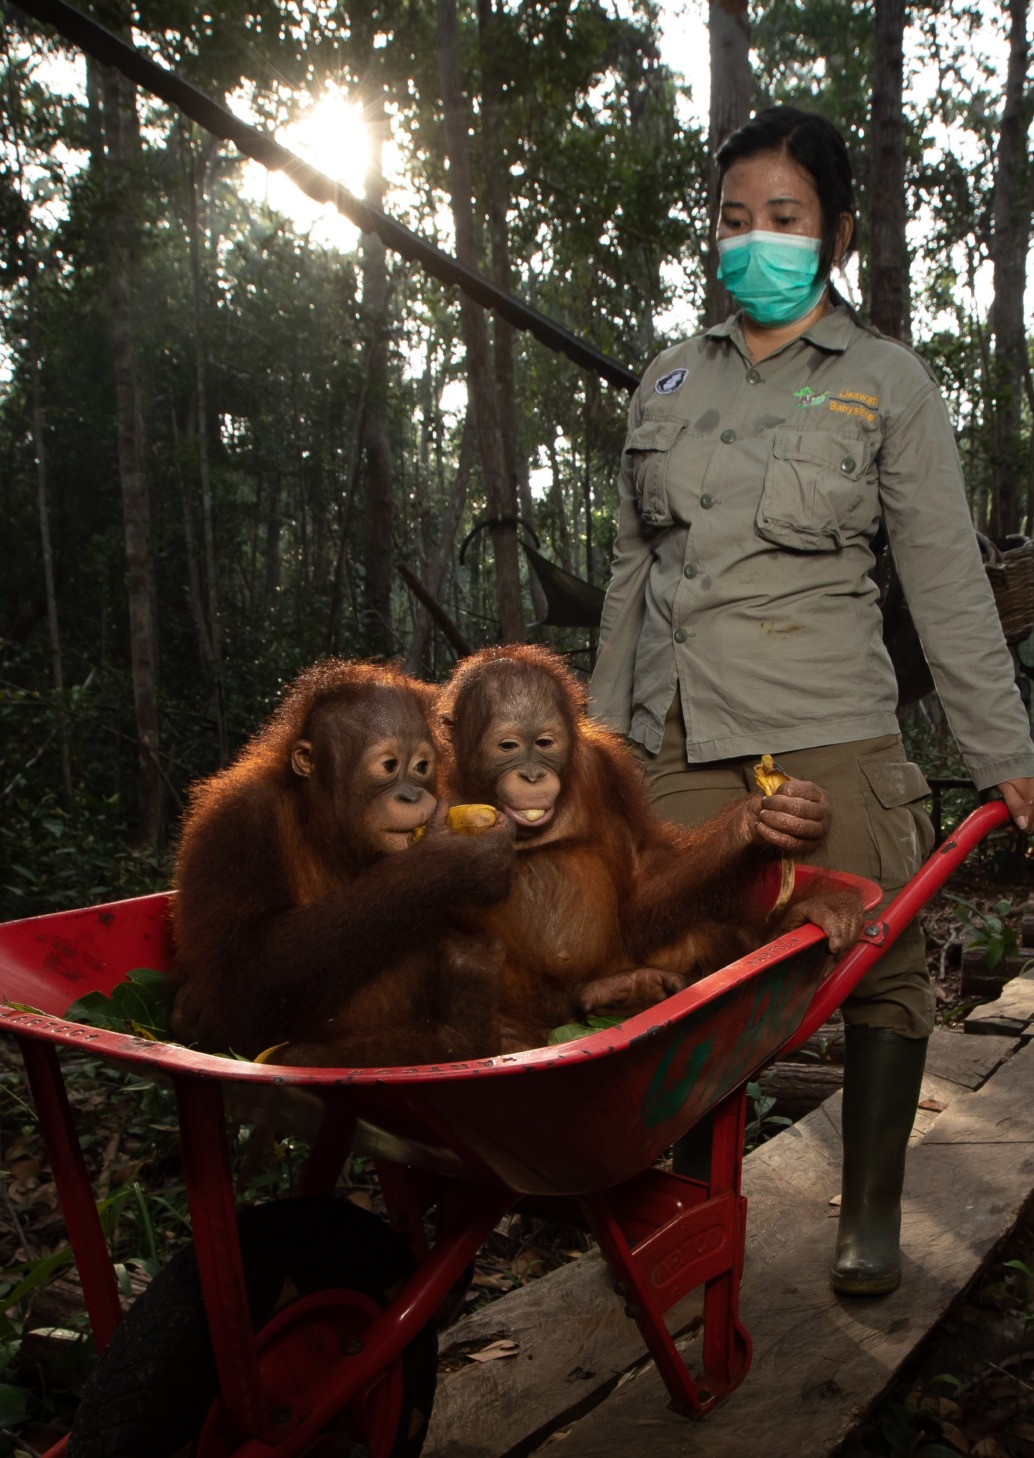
768, 777
267, 1054
464, 820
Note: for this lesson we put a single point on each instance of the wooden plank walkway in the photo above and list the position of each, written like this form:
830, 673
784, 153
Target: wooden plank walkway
581, 1383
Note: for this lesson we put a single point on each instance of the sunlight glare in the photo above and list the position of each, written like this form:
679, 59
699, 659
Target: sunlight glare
331, 135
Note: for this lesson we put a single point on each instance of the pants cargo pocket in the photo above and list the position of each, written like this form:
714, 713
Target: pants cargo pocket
900, 831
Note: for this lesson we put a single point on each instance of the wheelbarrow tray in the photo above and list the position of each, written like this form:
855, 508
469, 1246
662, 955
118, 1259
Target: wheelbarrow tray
559, 1120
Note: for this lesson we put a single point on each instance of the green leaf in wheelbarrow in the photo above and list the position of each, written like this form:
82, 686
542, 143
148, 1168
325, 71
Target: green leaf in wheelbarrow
567, 1032
140, 1005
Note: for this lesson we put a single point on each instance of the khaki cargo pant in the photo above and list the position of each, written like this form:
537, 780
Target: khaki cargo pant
880, 830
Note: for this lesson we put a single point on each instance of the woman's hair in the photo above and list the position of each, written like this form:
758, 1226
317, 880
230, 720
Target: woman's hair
818, 148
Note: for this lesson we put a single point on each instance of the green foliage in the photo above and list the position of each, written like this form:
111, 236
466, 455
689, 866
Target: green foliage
141, 1005
595, 1023
52, 859
988, 931
762, 1123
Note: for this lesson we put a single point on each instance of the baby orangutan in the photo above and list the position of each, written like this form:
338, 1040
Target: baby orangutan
609, 907
307, 917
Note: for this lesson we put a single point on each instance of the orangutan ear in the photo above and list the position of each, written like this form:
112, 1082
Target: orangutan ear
301, 758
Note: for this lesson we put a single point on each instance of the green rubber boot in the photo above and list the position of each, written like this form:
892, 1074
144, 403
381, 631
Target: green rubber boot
882, 1075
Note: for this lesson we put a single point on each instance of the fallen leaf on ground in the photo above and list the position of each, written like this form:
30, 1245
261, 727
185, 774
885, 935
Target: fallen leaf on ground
491, 1282
495, 1351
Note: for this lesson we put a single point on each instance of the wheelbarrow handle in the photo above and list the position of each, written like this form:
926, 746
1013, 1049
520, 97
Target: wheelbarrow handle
884, 927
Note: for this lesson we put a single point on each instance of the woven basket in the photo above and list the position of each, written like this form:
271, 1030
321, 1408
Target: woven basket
1011, 574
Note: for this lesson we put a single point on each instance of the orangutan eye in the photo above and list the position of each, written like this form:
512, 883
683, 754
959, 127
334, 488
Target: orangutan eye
422, 767
509, 744
389, 766
545, 741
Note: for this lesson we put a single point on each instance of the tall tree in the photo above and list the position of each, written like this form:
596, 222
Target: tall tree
731, 84
1010, 245
888, 268
376, 435
121, 146
481, 377
212, 636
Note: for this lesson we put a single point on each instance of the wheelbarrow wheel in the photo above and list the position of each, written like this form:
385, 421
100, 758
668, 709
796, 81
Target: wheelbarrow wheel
153, 1389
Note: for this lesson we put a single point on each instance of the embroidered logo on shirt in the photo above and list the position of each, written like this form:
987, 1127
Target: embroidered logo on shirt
672, 381
844, 402
853, 402
807, 396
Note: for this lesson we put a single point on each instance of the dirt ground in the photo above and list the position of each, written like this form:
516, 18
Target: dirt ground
970, 1390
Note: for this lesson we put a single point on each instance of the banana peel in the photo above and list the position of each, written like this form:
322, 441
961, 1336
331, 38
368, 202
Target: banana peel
464, 820
768, 777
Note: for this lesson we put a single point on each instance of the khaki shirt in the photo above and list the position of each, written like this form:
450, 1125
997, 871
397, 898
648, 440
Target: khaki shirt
750, 495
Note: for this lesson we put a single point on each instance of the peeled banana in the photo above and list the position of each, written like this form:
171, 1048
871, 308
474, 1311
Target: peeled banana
464, 820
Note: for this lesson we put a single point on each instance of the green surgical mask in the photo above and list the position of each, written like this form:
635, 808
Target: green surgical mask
771, 276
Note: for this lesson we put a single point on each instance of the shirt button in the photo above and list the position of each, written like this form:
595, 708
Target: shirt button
689, 571
728, 436
680, 635
707, 500
753, 377
847, 464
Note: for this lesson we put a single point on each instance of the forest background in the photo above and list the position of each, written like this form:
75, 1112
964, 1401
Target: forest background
231, 438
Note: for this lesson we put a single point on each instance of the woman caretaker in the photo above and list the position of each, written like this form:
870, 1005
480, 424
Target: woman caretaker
760, 457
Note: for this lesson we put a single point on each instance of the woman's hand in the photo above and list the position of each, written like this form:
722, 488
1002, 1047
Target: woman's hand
1019, 796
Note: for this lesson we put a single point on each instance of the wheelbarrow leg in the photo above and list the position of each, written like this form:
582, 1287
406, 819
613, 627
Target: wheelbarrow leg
727, 1344
639, 1304
688, 1233
78, 1206
206, 1165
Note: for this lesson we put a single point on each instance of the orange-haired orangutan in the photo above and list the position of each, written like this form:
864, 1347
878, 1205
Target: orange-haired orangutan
306, 916
609, 906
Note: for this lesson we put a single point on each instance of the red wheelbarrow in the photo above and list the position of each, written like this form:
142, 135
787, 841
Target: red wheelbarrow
306, 1325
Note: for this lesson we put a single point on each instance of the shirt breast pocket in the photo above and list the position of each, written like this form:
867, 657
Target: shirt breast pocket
649, 449
816, 487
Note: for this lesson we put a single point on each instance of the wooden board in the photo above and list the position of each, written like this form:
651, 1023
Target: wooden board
967, 1061
1011, 1014
574, 1343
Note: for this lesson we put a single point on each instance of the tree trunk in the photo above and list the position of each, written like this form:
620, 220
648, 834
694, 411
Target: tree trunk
497, 195
378, 637
480, 366
729, 43
344, 522
888, 276
121, 143
40, 452
195, 189
1010, 243
442, 554
194, 594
